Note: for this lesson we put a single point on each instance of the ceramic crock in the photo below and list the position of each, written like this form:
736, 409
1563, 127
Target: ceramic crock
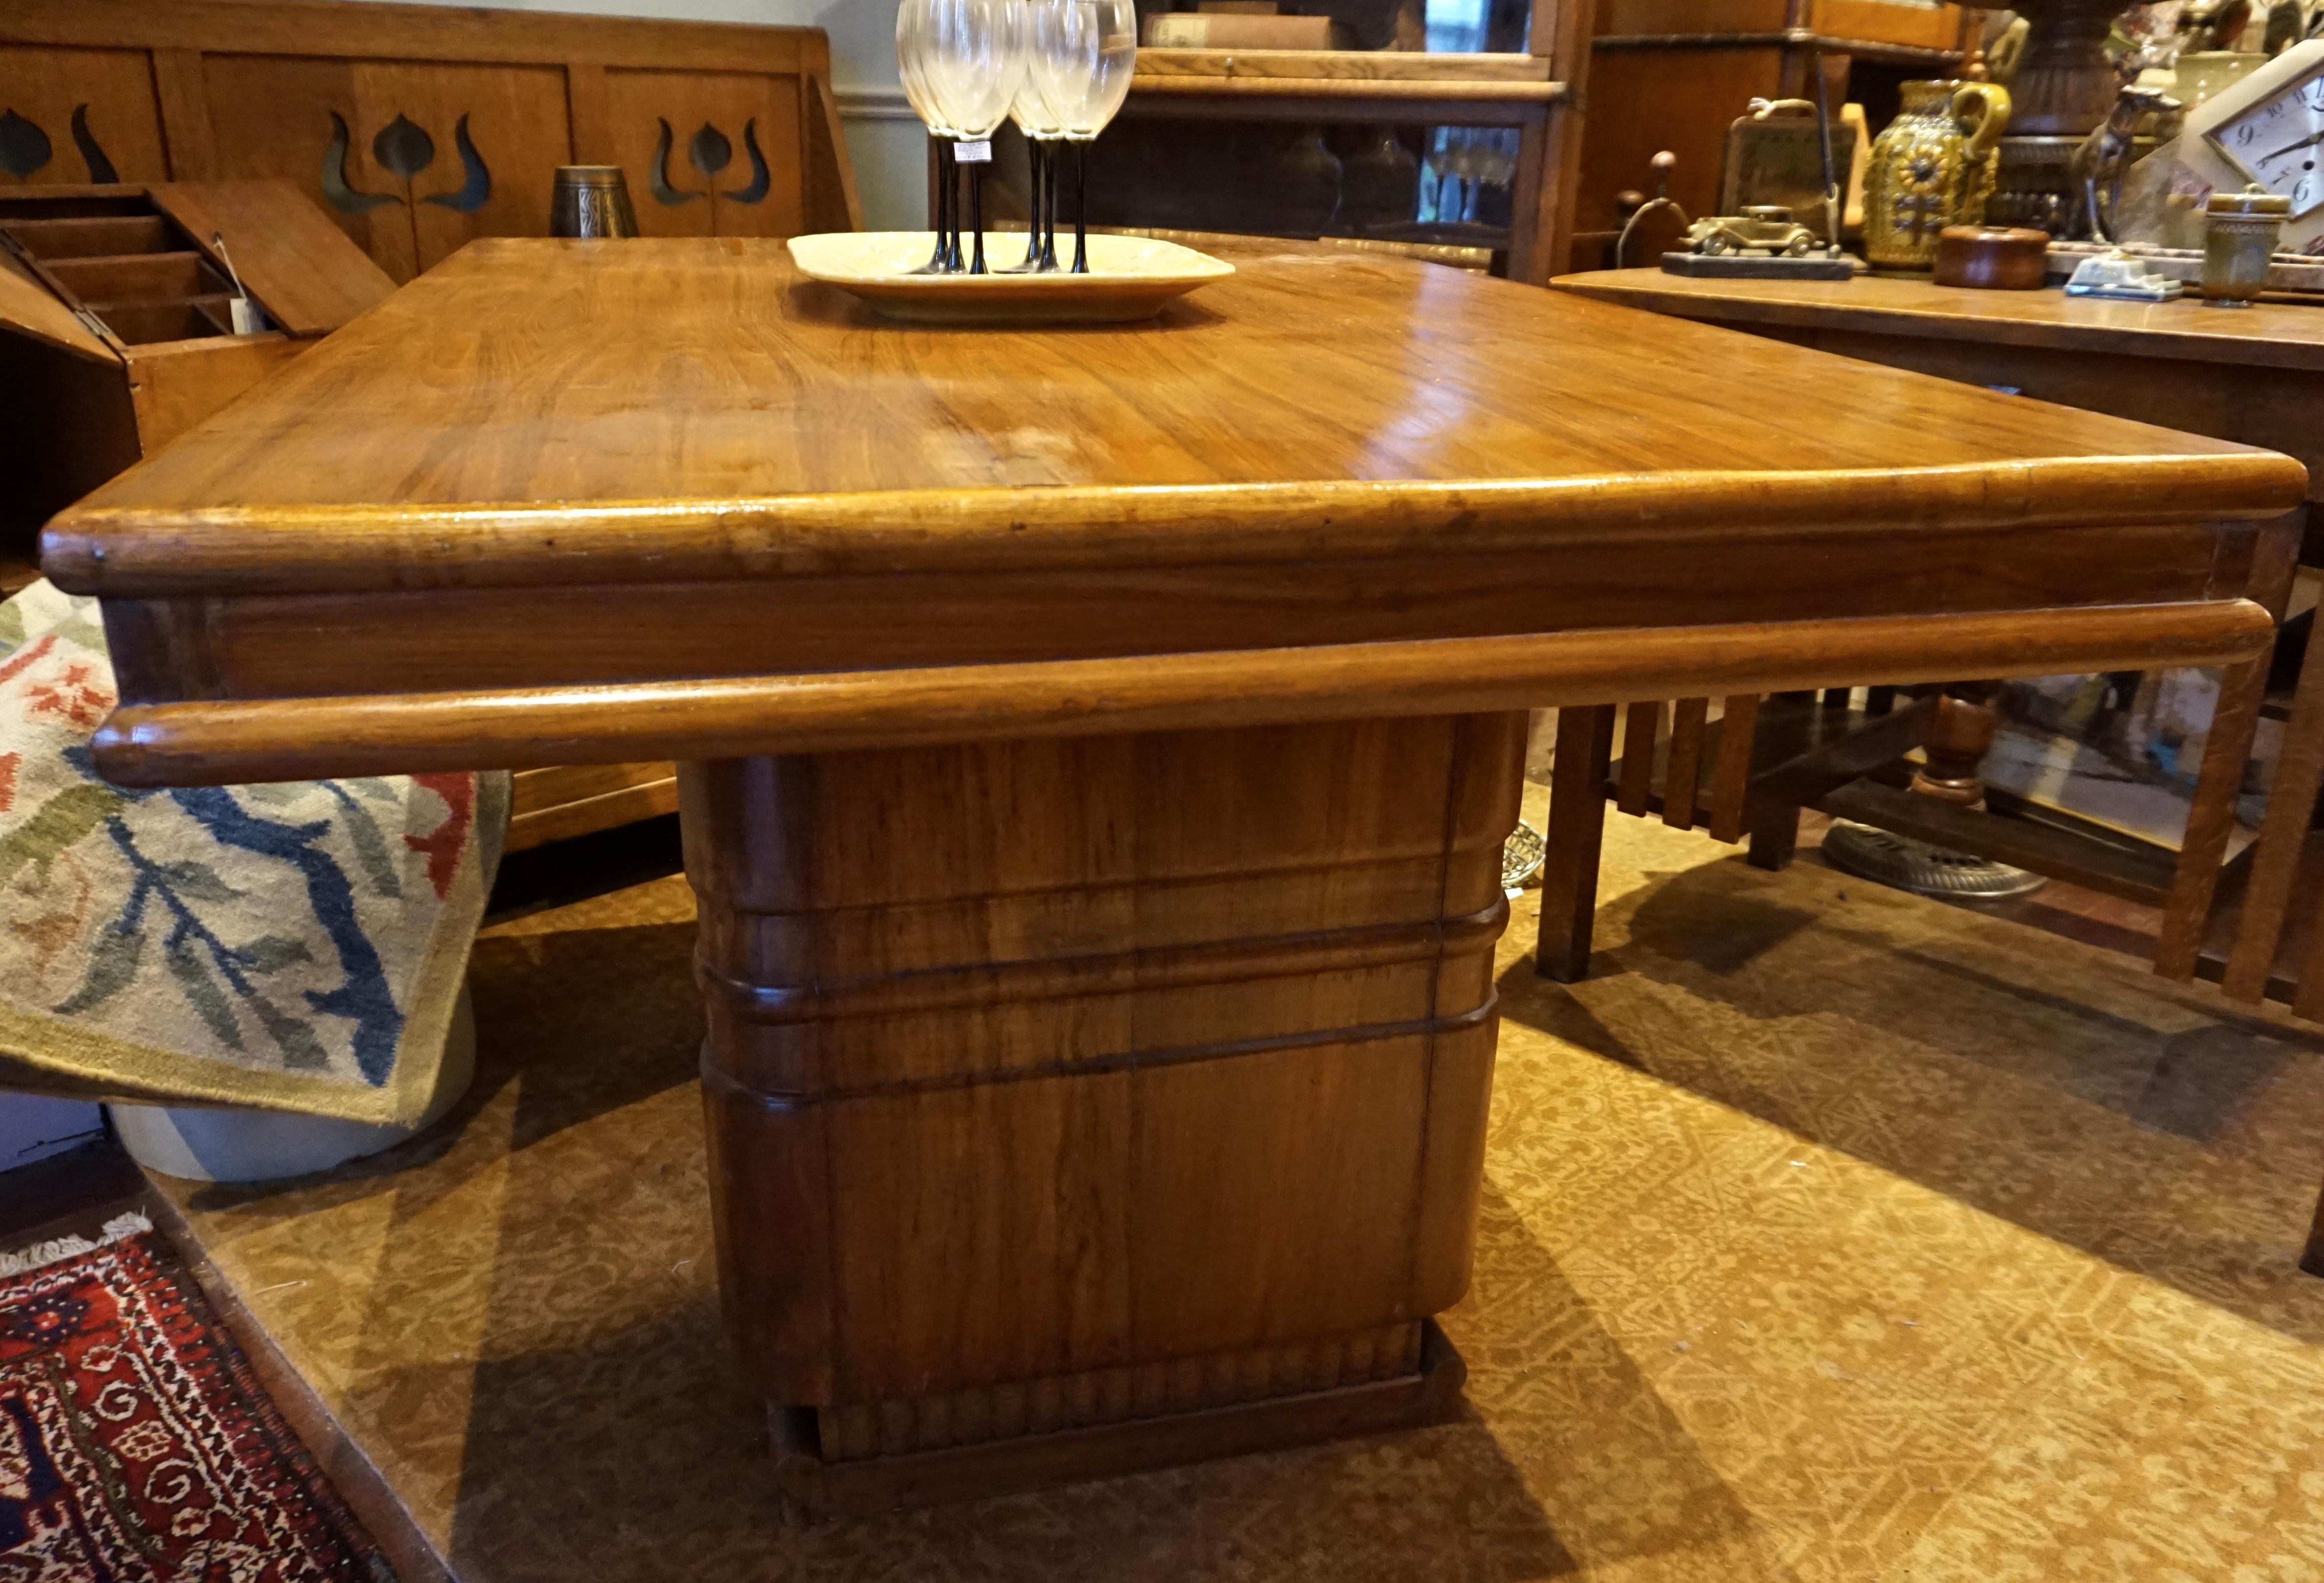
1932, 167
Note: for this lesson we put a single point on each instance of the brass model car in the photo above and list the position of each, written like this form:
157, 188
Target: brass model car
1761, 228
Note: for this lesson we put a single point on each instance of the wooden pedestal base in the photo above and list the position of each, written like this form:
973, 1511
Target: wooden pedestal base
1010, 1452
1128, 1088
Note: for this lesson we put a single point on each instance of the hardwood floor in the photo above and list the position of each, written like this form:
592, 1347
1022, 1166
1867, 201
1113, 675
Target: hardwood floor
72, 1194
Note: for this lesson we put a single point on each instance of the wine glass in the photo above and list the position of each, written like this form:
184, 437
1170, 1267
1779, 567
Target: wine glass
973, 64
1042, 129
1081, 55
911, 62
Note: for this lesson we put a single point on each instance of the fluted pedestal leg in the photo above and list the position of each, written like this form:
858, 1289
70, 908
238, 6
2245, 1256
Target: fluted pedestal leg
1082, 1106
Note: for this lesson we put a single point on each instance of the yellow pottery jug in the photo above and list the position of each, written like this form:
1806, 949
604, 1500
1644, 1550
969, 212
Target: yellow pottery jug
1930, 168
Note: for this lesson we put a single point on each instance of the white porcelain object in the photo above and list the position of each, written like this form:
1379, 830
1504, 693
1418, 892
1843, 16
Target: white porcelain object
2118, 274
207, 1143
1130, 277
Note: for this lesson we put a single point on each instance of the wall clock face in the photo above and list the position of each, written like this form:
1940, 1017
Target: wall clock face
2278, 140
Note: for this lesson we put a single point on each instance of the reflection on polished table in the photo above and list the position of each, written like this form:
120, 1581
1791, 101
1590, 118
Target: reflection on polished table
2251, 374
1098, 745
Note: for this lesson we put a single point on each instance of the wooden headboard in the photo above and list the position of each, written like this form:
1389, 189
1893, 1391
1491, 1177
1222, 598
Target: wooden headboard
419, 127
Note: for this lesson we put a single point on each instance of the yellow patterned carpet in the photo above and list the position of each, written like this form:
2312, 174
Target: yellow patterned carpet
1828, 1233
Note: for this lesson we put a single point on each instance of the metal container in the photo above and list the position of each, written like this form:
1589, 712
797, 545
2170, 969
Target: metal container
2240, 231
591, 200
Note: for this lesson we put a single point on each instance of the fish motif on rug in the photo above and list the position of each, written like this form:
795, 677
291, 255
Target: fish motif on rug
136, 1447
297, 946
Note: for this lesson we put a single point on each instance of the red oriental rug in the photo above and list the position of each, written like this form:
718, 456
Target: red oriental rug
135, 1445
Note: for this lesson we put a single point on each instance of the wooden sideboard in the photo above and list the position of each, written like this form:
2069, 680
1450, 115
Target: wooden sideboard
418, 128
116, 327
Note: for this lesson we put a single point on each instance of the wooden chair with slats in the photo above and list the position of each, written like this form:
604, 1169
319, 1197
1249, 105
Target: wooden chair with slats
2264, 940
2256, 924
1749, 775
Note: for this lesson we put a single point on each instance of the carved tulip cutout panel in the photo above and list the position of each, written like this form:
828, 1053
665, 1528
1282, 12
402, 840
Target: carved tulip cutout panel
709, 154
417, 162
72, 116
404, 150
26, 149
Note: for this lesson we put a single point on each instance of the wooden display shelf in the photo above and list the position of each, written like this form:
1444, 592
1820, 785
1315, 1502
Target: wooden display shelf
1439, 80
1261, 97
1873, 30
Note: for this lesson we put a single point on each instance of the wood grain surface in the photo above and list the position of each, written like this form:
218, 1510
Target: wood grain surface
226, 740
2284, 335
289, 255
1182, 976
27, 304
708, 371
551, 486
686, 409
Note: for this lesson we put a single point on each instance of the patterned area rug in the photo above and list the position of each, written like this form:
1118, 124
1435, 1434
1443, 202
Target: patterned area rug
134, 1446
294, 947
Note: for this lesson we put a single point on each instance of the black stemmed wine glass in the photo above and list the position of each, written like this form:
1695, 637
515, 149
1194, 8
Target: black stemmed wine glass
1081, 56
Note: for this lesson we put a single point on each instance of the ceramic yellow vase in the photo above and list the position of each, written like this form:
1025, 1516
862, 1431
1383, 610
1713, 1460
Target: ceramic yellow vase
1932, 167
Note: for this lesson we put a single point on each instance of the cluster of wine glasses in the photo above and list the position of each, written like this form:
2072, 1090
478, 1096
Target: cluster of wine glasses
1059, 68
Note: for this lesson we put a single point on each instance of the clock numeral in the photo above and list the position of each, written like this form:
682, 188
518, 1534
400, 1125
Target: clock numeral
2311, 93
2244, 134
2300, 193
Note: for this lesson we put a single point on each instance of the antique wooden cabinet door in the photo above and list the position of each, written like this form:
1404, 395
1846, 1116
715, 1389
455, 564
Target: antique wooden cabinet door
420, 128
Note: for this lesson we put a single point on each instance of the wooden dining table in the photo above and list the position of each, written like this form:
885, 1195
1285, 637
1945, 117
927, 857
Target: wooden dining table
1098, 744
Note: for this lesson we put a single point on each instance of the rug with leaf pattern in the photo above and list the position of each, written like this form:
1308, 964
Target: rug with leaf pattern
297, 945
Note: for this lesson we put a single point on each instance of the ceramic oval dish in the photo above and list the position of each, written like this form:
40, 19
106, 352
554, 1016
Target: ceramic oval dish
1130, 277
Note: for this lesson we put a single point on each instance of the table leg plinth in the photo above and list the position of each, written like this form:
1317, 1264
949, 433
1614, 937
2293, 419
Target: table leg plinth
1082, 1106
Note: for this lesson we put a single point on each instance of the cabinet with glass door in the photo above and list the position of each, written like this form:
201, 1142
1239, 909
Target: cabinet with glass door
1449, 128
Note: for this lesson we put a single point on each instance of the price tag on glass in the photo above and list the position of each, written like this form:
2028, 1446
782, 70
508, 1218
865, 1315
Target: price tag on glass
973, 154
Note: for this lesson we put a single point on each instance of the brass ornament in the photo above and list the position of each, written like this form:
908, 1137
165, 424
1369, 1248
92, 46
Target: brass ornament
1932, 167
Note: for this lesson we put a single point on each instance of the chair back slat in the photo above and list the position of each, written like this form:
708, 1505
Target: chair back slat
1730, 777
1642, 726
1685, 762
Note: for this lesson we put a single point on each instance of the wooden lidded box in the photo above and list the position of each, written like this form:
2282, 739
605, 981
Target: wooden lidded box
116, 331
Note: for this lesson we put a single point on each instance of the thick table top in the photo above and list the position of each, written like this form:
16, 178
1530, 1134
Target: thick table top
2278, 334
558, 502
677, 379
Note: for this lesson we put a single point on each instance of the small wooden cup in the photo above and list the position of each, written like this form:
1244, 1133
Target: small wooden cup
1993, 258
